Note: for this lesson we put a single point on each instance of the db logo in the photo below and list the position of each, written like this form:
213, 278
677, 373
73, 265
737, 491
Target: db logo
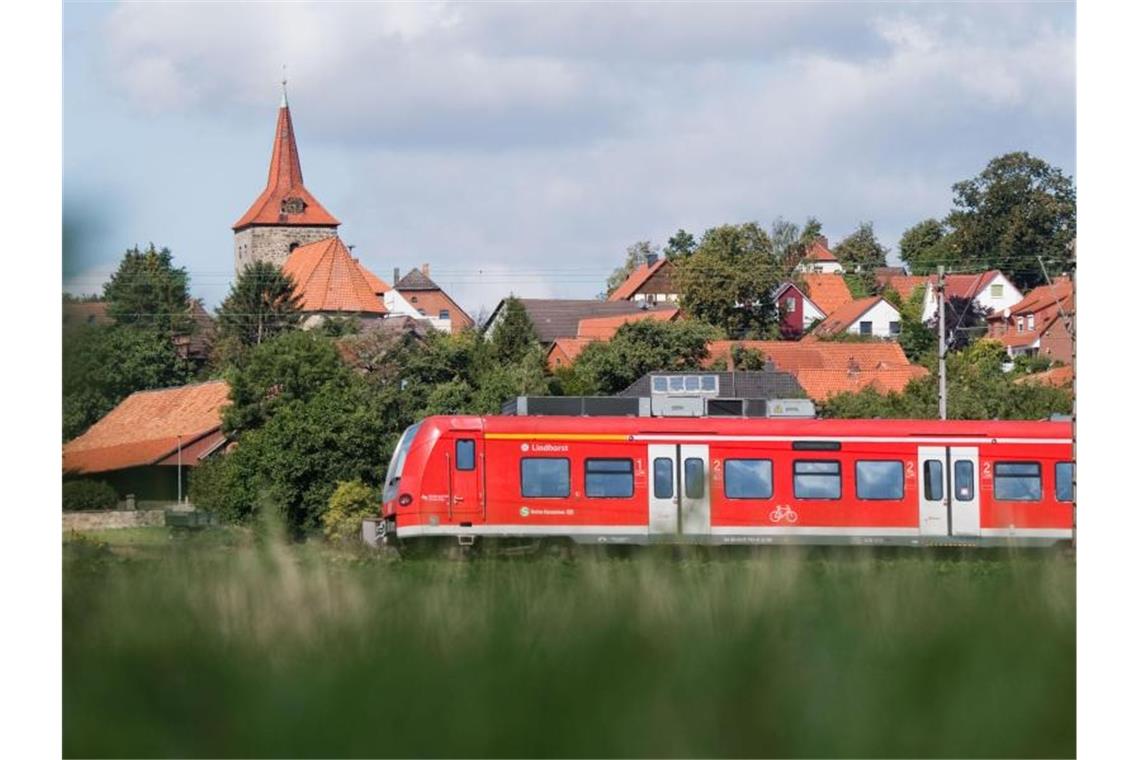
524, 511
525, 447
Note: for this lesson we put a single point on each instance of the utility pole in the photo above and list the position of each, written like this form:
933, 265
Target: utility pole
1074, 334
941, 342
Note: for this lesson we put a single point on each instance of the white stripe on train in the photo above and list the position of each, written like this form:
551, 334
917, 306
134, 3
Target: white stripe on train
642, 531
846, 439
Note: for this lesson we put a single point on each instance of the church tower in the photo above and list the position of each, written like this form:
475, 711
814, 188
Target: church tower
285, 215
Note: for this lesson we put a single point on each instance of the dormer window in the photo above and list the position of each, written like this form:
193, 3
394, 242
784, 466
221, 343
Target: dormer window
1021, 324
292, 206
1032, 320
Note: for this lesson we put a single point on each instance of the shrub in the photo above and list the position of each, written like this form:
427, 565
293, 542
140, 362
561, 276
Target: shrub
350, 503
88, 494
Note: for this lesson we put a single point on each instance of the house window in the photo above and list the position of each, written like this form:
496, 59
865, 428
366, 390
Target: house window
1032, 322
895, 328
545, 478
415, 299
995, 290
1021, 324
444, 314
789, 305
865, 328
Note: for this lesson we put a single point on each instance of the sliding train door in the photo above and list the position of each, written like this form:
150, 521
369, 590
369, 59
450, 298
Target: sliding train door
948, 500
965, 513
679, 499
933, 496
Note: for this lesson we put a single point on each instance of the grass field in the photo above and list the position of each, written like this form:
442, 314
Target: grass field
225, 645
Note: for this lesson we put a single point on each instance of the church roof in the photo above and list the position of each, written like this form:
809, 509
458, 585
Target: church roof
285, 200
328, 279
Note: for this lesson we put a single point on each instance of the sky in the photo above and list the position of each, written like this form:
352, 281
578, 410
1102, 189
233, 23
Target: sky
520, 148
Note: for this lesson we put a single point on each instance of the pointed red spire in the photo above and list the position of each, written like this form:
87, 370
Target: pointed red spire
285, 200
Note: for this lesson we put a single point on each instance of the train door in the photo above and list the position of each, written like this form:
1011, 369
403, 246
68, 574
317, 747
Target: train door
679, 499
465, 479
933, 495
965, 517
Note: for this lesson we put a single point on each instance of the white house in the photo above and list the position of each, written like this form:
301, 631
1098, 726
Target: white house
990, 290
819, 259
870, 317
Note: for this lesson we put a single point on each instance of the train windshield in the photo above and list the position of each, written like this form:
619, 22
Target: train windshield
396, 466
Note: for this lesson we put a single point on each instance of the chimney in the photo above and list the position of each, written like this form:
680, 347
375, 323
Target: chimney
395, 275
426, 269
650, 259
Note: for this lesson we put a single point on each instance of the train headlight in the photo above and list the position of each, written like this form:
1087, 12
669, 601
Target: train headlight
405, 499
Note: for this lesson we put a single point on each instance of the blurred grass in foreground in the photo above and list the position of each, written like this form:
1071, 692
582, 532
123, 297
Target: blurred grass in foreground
232, 646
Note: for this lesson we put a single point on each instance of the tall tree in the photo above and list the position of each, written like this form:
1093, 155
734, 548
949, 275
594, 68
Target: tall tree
680, 244
514, 335
646, 345
261, 304
790, 242
149, 291
728, 281
924, 246
1017, 209
103, 364
635, 255
861, 249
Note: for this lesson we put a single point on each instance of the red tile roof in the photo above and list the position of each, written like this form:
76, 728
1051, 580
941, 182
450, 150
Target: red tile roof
827, 291
285, 182
793, 356
636, 279
1046, 298
820, 384
570, 347
378, 285
147, 427
1058, 377
818, 251
605, 327
903, 284
842, 318
965, 285
329, 279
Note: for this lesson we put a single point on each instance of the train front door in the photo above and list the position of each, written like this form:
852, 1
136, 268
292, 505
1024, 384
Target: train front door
465, 474
679, 500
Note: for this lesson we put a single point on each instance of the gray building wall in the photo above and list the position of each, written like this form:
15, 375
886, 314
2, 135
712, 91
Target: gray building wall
273, 244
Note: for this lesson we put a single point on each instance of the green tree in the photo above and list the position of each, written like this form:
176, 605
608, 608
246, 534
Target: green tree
1018, 209
102, 365
261, 303
747, 359
606, 367
860, 252
965, 322
148, 291
635, 255
790, 242
350, 503
727, 282
681, 244
294, 366
514, 335
924, 246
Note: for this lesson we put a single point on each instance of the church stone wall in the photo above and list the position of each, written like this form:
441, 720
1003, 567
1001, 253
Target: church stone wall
273, 244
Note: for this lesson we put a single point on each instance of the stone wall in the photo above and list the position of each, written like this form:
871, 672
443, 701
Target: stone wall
107, 520
273, 244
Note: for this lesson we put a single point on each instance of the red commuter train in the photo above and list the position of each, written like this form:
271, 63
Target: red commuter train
637, 480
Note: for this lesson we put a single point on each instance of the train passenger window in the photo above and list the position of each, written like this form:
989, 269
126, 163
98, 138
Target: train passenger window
748, 478
816, 480
1017, 481
609, 478
1063, 473
879, 480
663, 478
694, 478
964, 480
465, 454
932, 474
545, 478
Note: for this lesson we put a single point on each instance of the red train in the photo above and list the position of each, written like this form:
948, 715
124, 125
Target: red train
706, 480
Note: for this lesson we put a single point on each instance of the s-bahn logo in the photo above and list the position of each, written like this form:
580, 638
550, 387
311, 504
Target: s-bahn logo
524, 511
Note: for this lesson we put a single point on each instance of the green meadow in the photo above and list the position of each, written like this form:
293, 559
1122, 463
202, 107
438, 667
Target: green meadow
228, 643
